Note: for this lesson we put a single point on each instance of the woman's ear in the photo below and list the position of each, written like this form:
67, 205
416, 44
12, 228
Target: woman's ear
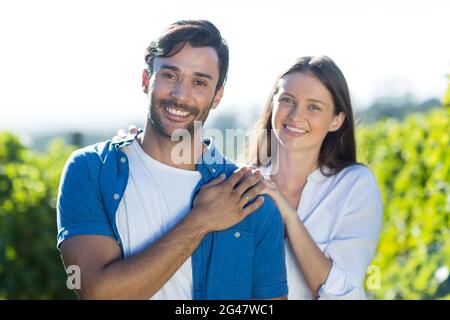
145, 80
337, 122
217, 97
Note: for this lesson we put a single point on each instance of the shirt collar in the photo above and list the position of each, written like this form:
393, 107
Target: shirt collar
119, 143
211, 164
316, 176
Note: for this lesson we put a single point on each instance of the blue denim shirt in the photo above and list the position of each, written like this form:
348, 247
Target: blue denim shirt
249, 264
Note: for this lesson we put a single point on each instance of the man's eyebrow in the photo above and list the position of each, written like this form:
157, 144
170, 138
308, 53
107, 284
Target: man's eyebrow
170, 67
203, 75
197, 74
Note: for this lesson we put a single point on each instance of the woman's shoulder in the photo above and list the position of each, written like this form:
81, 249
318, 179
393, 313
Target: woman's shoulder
357, 171
358, 176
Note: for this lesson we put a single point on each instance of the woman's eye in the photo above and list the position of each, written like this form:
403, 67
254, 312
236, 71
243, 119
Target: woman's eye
287, 100
314, 107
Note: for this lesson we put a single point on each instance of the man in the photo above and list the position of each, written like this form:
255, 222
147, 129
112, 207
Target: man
140, 223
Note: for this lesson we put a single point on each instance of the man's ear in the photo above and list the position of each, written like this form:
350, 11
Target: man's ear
337, 122
217, 97
145, 80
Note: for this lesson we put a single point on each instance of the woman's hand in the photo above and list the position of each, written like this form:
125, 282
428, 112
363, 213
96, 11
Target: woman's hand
121, 134
271, 189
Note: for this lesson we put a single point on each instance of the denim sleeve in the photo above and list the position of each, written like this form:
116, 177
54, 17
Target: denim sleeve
80, 210
269, 276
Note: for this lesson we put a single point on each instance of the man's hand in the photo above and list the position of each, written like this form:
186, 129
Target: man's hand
222, 203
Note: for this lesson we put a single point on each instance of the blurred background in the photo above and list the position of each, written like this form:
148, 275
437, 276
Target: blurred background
70, 76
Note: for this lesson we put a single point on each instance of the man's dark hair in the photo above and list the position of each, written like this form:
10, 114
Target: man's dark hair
198, 33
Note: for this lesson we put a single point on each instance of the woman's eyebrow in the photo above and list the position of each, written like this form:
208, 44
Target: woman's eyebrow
316, 100
310, 99
287, 94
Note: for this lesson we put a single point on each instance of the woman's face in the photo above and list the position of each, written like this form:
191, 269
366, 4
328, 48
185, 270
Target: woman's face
303, 112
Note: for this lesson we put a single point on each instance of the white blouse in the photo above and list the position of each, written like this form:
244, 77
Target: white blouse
343, 214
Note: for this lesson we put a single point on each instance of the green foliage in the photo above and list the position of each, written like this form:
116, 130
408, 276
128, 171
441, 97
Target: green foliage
412, 164
446, 98
30, 267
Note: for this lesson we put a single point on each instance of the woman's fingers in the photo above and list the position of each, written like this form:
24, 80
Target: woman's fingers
132, 129
121, 134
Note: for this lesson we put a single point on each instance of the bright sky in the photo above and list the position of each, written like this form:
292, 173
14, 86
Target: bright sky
77, 64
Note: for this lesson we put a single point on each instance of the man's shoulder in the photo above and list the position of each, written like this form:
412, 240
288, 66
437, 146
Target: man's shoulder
101, 150
91, 154
265, 218
89, 159
268, 213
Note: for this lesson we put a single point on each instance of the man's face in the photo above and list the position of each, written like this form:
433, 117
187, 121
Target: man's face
182, 89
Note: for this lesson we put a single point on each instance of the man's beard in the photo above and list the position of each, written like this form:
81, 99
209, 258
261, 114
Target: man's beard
155, 115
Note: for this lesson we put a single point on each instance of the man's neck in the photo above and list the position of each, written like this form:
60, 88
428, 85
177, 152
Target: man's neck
182, 154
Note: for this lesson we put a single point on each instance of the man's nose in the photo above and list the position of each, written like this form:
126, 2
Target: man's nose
181, 92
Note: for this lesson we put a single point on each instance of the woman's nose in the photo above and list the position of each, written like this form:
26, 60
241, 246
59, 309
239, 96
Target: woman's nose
296, 113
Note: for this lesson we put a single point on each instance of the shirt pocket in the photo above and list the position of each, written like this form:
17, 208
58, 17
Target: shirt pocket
233, 256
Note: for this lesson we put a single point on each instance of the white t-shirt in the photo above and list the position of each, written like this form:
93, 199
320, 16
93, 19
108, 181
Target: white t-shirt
343, 214
156, 198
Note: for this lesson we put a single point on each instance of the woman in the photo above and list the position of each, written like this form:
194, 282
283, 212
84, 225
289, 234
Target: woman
304, 144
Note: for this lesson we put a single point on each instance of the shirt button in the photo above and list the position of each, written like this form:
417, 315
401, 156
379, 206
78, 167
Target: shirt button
66, 233
237, 234
123, 160
116, 196
213, 170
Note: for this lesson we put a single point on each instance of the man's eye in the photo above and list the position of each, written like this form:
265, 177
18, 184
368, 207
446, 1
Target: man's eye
314, 107
168, 75
200, 83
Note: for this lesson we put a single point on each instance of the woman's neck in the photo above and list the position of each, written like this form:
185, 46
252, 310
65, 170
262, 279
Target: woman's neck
291, 169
